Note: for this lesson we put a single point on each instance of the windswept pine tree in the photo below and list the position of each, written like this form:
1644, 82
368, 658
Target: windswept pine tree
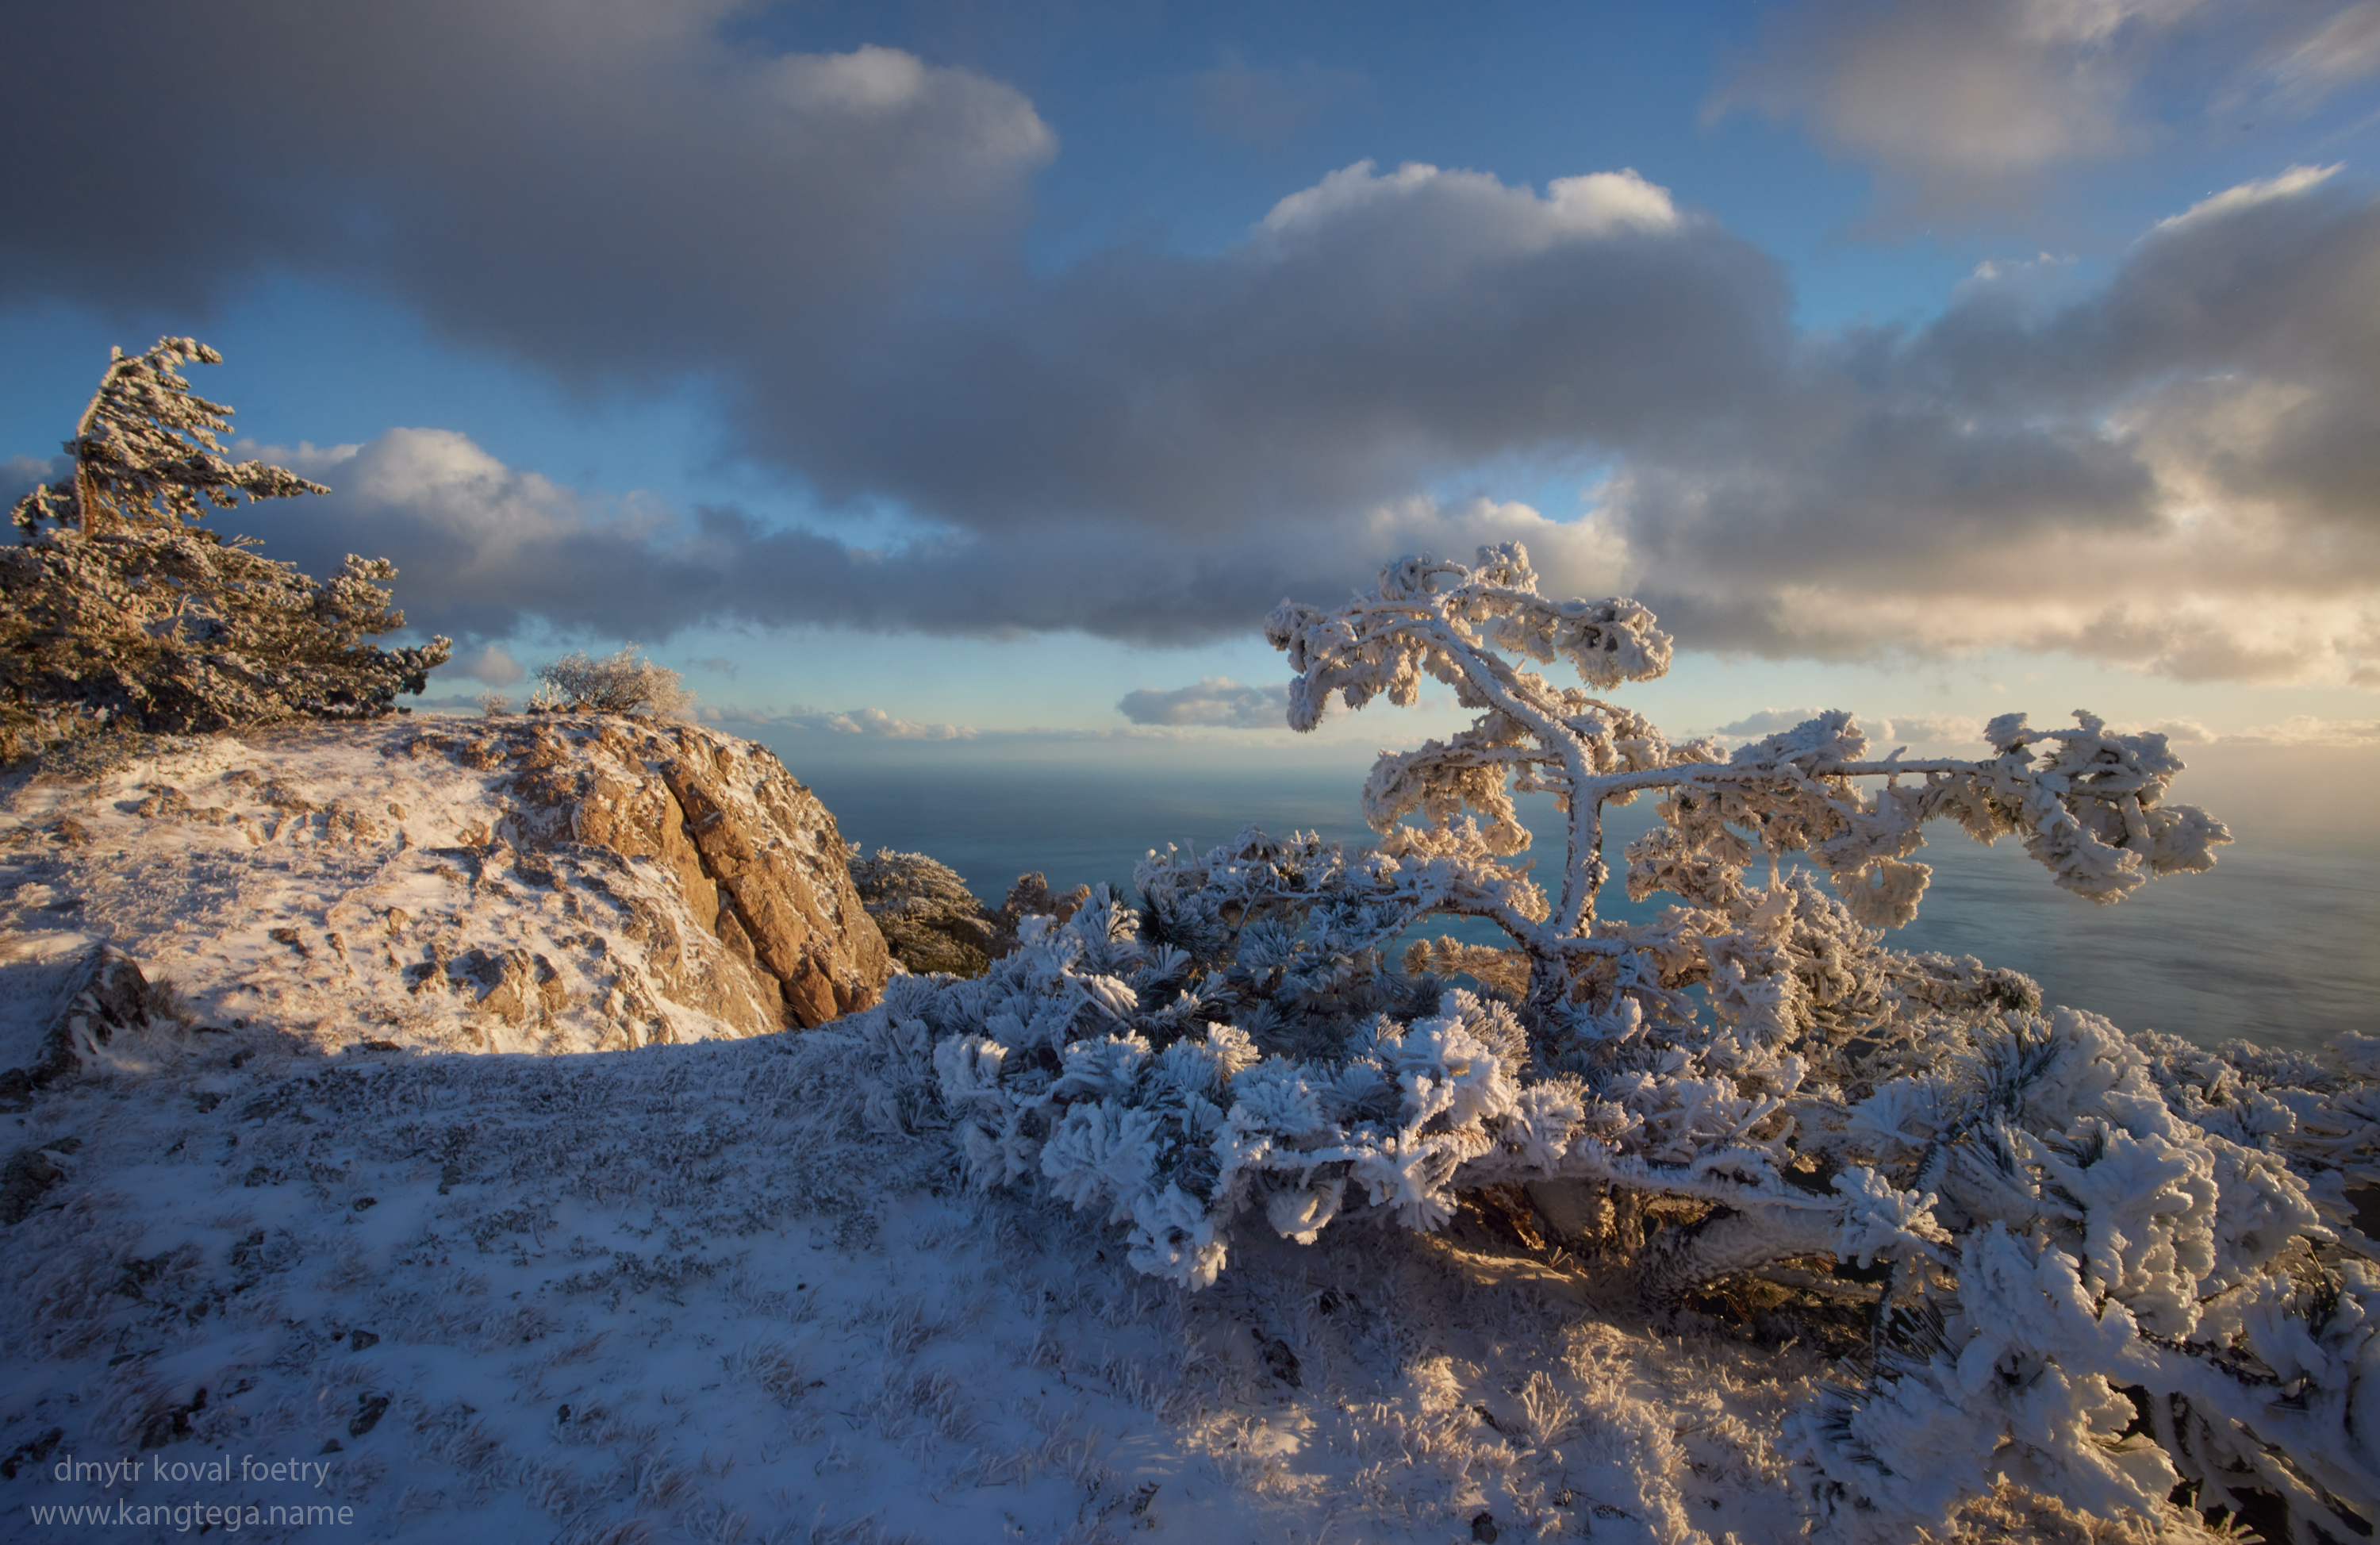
146, 454
119, 609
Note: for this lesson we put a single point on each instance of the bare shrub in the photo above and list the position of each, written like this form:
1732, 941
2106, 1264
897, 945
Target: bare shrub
622, 683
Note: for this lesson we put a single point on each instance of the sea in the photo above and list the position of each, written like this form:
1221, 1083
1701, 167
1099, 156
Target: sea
2280, 943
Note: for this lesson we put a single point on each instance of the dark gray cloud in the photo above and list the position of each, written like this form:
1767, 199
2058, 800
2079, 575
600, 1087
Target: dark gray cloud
1376, 329
826, 238
613, 188
1964, 107
2174, 470
483, 551
1213, 702
2273, 277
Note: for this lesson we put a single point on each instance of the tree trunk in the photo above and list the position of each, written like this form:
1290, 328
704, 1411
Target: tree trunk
1724, 1243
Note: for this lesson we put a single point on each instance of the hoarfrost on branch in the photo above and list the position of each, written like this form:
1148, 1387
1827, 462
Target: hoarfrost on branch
2067, 1219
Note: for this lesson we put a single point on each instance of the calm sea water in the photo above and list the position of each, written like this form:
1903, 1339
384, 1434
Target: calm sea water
2279, 944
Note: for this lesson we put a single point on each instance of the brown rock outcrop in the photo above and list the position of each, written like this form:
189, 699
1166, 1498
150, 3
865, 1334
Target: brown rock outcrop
545, 884
757, 857
932, 922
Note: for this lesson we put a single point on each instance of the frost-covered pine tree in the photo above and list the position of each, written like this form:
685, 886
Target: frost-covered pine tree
119, 609
2100, 1264
146, 452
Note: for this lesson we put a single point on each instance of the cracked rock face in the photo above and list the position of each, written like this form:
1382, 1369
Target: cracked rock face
758, 860
551, 884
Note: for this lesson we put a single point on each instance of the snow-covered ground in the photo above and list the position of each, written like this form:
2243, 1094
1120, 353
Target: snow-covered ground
670, 1289
684, 1291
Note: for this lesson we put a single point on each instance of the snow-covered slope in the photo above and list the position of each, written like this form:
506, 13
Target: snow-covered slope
686, 1292
547, 884
704, 1292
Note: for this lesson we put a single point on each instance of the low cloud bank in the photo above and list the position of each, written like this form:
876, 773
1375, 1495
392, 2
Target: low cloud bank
1213, 702
1967, 731
1927, 729
486, 664
867, 723
484, 550
2300, 729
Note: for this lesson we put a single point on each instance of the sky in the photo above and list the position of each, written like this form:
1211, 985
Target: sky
933, 369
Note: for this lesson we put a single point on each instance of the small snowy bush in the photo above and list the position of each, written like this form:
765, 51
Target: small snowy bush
622, 683
2099, 1265
930, 920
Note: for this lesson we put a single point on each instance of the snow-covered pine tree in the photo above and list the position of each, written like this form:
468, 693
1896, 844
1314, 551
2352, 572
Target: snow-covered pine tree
2108, 1263
145, 452
119, 609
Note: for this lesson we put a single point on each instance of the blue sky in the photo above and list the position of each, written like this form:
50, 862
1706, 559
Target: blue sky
914, 369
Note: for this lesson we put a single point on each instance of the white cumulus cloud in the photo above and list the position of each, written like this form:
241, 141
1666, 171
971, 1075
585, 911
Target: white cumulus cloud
486, 664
